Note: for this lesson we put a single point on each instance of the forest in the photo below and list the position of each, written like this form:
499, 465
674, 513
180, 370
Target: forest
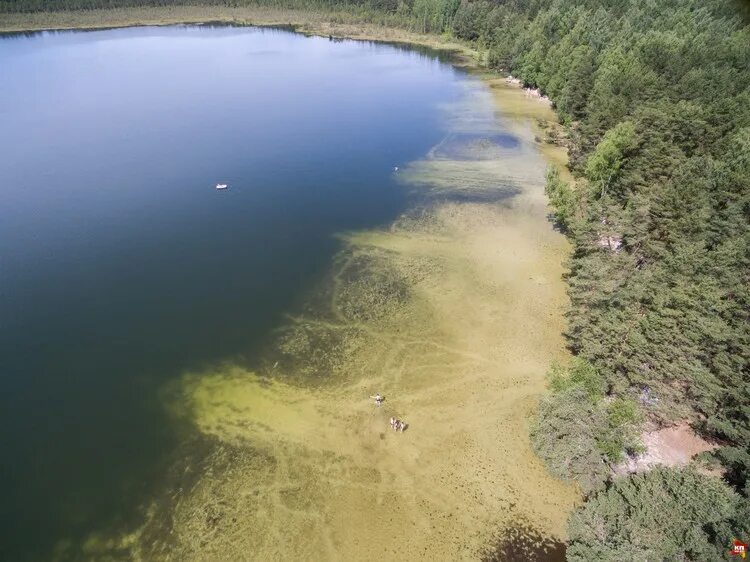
654, 98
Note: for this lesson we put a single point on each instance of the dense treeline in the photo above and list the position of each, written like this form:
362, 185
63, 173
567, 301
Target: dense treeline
655, 97
375, 7
53, 5
658, 107
664, 515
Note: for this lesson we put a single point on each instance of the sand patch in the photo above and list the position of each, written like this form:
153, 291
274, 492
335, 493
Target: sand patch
669, 446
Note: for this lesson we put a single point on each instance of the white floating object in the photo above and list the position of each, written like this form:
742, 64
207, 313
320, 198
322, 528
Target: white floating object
395, 168
221, 186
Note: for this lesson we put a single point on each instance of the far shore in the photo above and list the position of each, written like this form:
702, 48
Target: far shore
341, 25
338, 25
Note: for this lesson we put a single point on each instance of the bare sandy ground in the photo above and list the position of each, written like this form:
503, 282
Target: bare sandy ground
677, 445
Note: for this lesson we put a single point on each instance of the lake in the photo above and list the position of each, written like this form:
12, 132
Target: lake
153, 327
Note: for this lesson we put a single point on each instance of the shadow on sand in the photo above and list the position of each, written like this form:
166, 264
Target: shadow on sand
524, 544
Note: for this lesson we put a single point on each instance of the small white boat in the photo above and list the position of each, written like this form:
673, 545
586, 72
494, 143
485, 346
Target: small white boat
221, 186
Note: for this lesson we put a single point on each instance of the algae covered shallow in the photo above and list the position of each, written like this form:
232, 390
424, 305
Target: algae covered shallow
208, 361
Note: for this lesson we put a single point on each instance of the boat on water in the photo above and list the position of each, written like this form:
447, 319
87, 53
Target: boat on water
221, 186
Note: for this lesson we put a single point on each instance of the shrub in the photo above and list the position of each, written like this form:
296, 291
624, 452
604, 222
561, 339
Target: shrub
578, 431
564, 436
664, 514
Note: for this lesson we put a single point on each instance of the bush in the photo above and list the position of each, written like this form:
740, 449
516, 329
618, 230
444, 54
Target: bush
561, 197
665, 514
579, 431
564, 436
620, 434
580, 374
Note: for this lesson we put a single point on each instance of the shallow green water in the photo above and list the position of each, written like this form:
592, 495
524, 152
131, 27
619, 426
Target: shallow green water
121, 266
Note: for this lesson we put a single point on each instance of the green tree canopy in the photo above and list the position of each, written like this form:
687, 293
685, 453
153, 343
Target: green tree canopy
662, 515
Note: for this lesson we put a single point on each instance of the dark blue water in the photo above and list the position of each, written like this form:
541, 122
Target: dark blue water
120, 264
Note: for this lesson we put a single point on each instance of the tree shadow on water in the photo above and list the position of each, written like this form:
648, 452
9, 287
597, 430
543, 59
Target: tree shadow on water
524, 544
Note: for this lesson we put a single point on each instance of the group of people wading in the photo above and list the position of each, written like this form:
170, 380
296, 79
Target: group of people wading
396, 424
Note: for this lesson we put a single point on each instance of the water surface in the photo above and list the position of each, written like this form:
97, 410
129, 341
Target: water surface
121, 267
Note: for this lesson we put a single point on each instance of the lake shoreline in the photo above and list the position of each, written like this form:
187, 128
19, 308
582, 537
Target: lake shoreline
454, 312
303, 22
311, 24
